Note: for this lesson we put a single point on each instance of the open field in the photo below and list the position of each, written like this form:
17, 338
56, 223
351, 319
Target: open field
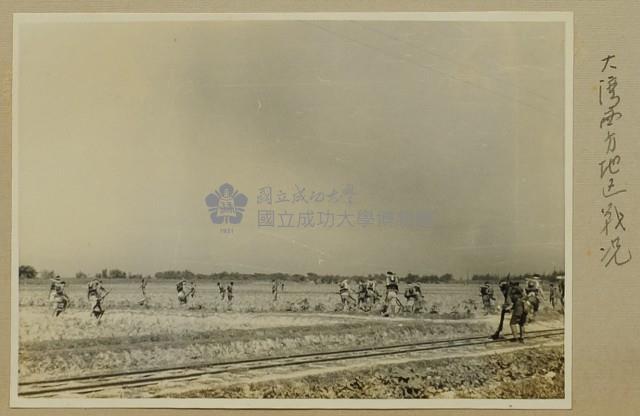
164, 334
248, 296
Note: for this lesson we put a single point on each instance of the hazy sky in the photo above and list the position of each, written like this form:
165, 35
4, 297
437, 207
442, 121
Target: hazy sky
124, 128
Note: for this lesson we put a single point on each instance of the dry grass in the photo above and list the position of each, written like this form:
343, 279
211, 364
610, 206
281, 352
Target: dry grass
164, 333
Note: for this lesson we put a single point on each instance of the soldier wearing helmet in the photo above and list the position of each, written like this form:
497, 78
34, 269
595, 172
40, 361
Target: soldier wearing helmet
505, 286
534, 294
391, 300
486, 292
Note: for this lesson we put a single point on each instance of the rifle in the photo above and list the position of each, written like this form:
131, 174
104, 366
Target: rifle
101, 298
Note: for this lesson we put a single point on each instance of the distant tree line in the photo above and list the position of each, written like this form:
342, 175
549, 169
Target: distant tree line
309, 277
29, 272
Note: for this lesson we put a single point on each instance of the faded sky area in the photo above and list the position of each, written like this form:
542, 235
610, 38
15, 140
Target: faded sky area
125, 128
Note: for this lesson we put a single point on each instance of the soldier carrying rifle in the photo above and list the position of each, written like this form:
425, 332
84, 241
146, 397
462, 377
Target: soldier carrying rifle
505, 287
185, 289
95, 295
345, 295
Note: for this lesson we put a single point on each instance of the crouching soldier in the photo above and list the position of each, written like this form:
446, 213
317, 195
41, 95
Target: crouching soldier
60, 299
183, 291
413, 295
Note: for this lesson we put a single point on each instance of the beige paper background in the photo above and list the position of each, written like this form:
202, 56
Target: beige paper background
606, 364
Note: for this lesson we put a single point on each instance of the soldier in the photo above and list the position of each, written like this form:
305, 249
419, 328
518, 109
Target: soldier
534, 296
93, 289
408, 295
369, 294
95, 294
345, 295
282, 287
143, 286
60, 299
183, 291
553, 295
52, 288
143, 289
487, 296
362, 295
230, 293
274, 289
505, 287
561, 288
418, 297
413, 295
391, 300
222, 291
520, 308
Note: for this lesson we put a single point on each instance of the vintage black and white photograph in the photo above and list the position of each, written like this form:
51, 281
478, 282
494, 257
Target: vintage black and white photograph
322, 210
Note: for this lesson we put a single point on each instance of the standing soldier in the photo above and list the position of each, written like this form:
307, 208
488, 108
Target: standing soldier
143, 289
418, 297
222, 291
553, 295
230, 293
505, 287
487, 296
391, 300
60, 299
274, 289
534, 296
372, 294
520, 307
362, 295
561, 288
282, 287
